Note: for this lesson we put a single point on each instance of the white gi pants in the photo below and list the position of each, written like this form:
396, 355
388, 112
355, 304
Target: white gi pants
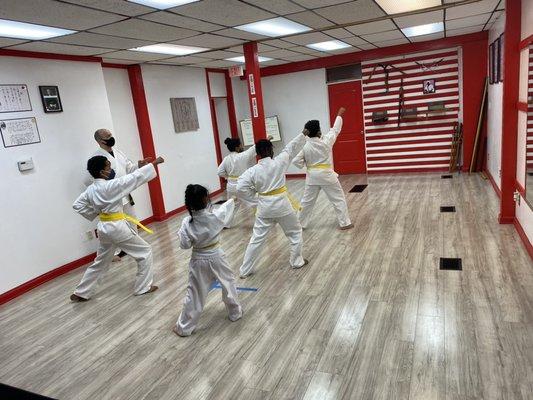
293, 231
136, 247
336, 197
202, 274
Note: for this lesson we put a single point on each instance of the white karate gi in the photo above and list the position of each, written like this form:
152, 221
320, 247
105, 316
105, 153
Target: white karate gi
208, 264
318, 150
268, 175
106, 196
231, 168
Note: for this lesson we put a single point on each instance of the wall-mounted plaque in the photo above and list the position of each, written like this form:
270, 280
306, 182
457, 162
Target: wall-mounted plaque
14, 98
429, 86
20, 131
51, 99
184, 114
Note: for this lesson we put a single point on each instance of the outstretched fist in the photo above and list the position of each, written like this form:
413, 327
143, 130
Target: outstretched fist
142, 163
305, 132
341, 111
158, 160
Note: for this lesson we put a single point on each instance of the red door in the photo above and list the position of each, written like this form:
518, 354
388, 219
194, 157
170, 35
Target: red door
349, 150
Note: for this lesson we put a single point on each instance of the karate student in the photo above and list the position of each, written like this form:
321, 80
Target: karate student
104, 198
233, 165
317, 157
208, 263
275, 204
122, 165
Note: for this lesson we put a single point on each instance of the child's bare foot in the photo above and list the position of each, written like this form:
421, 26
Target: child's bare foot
344, 228
152, 289
233, 319
77, 299
301, 266
116, 258
175, 330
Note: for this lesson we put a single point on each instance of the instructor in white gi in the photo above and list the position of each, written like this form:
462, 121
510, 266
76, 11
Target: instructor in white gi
275, 204
317, 157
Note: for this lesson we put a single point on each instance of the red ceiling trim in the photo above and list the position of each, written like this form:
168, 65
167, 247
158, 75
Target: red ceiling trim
48, 56
112, 65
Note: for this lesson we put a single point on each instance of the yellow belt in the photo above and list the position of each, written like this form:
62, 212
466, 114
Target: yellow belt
319, 166
105, 217
233, 177
208, 247
295, 204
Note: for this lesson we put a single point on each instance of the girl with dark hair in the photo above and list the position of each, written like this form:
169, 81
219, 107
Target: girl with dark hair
233, 165
208, 263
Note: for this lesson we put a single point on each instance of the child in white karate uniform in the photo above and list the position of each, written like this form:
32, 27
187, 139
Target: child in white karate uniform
232, 166
208, 263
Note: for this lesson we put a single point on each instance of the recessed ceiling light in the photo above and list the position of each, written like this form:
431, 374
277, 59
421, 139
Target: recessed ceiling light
172, 49
240, 59
274, 27
329, 45
162, 4
23, 30
400, 6
423, 29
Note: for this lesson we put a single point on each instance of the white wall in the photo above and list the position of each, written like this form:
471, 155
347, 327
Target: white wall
40, 231
295, 98
494, 114
125, 129
224, 129
190, 156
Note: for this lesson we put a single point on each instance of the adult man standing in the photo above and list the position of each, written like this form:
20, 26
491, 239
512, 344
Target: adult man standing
122, 165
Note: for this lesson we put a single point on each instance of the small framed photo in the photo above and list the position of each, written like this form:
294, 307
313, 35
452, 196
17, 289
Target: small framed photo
429, 86
51, 99
491, 63
502, 58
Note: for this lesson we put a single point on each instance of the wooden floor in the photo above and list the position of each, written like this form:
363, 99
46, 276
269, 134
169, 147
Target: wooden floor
371, 317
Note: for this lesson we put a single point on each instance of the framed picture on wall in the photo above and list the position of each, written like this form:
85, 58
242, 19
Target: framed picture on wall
501, 43
429, 86
51, 99
491, 62
497, 66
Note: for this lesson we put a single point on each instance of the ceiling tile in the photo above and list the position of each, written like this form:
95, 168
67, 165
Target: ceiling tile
495, 16
308, 38
420, 19
181, 21
96, 40
483, 6
468, 21
56, 48
318, 3
136, 55
274, 62
238, 49
310, 19
186, 60
115, 6
394, 42
299, 57
464, 31
372, 27
10, 42
227, 12
354, 41
217, 55
384, 36
280, 53
118, 61
366, 46
423, 38
216, 64
281, 7
343, 51
305, 50
53, 13
279, 43
340, 33
354, 11
140, 29
237, 33
209, 41
262, 47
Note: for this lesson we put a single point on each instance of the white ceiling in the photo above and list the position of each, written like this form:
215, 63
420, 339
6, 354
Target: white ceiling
108, 28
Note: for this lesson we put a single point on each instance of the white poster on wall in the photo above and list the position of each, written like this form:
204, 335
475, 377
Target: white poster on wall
20, 131
14, 98
254, 107
252, 83
272, 129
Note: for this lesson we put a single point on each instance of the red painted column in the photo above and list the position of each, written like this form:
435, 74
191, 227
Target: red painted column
145, 135
511, 57
255, 93
231, 106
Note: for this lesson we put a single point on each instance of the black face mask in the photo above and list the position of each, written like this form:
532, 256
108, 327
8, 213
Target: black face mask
109, 142
111, 175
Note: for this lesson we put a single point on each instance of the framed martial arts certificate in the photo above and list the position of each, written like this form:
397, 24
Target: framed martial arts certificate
272, 129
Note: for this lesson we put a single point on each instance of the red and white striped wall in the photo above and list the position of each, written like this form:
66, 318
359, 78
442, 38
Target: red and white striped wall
529, 135
420, 144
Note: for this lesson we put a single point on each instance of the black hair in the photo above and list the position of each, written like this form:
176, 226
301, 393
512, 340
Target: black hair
95, 165
232, 143
264, 148
195, 196
313, 127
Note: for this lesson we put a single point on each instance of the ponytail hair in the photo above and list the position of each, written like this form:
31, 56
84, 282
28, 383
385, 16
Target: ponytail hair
195, 198
232, 143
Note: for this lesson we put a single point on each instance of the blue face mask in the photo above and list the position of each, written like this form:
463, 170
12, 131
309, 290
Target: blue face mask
112, 174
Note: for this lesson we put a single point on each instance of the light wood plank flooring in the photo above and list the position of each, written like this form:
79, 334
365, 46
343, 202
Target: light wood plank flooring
371, 317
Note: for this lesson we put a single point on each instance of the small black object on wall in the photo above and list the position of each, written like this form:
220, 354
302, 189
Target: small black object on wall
51, 99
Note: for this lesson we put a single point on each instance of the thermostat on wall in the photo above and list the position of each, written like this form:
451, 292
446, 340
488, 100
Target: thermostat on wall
25, 165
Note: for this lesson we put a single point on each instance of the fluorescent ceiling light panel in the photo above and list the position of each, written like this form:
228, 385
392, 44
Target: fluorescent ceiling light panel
329, 45
23, 30
240, 59
172, 49
400, 6
274, 27
162, 4
423, 29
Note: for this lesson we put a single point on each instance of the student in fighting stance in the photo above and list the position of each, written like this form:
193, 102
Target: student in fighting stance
104, 199
317, 157
208, 263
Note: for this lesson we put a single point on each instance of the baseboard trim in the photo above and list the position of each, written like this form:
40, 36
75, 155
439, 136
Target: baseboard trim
523, 236
493, 183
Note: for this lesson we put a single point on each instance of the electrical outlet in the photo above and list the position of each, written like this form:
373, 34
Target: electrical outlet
516, 197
